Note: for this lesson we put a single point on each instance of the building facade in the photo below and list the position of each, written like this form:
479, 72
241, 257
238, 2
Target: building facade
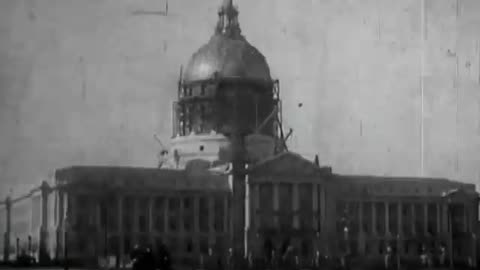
228, 180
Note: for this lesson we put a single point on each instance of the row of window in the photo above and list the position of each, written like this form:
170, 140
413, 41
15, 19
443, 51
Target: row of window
413, 218
201, 90
286, 222
285, 196
173, 213
188, 245
198, 117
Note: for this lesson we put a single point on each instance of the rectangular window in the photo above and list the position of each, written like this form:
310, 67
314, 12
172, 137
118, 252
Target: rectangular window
203, 216
188, 214
393, 217
143, 213
188, 245
381, 212
407, 219
204, 245
419, 218
158, 214
432, 219
173, 209
173, 245
367, 217
128, 214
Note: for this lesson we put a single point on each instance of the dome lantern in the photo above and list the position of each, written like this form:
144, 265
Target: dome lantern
225, 89
227, 54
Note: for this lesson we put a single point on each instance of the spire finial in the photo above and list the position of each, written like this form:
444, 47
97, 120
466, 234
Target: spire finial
227, 21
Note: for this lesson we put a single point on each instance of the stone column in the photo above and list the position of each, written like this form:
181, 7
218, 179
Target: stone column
399, 227
414, 219
256, 202
211, 219
445, 217
166, 215
134, 217
181, 217
276, 203
66, 228
7, 235
360, 217
387, 219
374, 218
399, 218
439, 221
425, 218
150, 224
248, 216
121, 237
98, 214
72, 210
59, 228
196, 214
295, 206
247, 207
43, 243
322, 207
361, 231
315, 206
225, 215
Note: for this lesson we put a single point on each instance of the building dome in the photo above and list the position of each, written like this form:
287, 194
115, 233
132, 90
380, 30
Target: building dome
228, 54
229, 58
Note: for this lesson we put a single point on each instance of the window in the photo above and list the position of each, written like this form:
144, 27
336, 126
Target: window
188, 214
367, 217
172, 244
419, 214
173, 207
189, 245
380, 208
202, 118
305, 248
158, 214
203, 216
142, 223
204, 245
432, 219
188, 119
143, 205
127, 214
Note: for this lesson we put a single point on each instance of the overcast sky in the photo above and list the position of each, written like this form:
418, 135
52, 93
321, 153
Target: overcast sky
89, 83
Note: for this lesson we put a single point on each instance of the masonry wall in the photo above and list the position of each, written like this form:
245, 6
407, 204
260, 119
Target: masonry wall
355, 66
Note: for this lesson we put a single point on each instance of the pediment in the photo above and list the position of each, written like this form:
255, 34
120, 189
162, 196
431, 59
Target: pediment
287, 164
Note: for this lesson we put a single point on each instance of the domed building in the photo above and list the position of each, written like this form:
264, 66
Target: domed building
226, 88
229, 181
